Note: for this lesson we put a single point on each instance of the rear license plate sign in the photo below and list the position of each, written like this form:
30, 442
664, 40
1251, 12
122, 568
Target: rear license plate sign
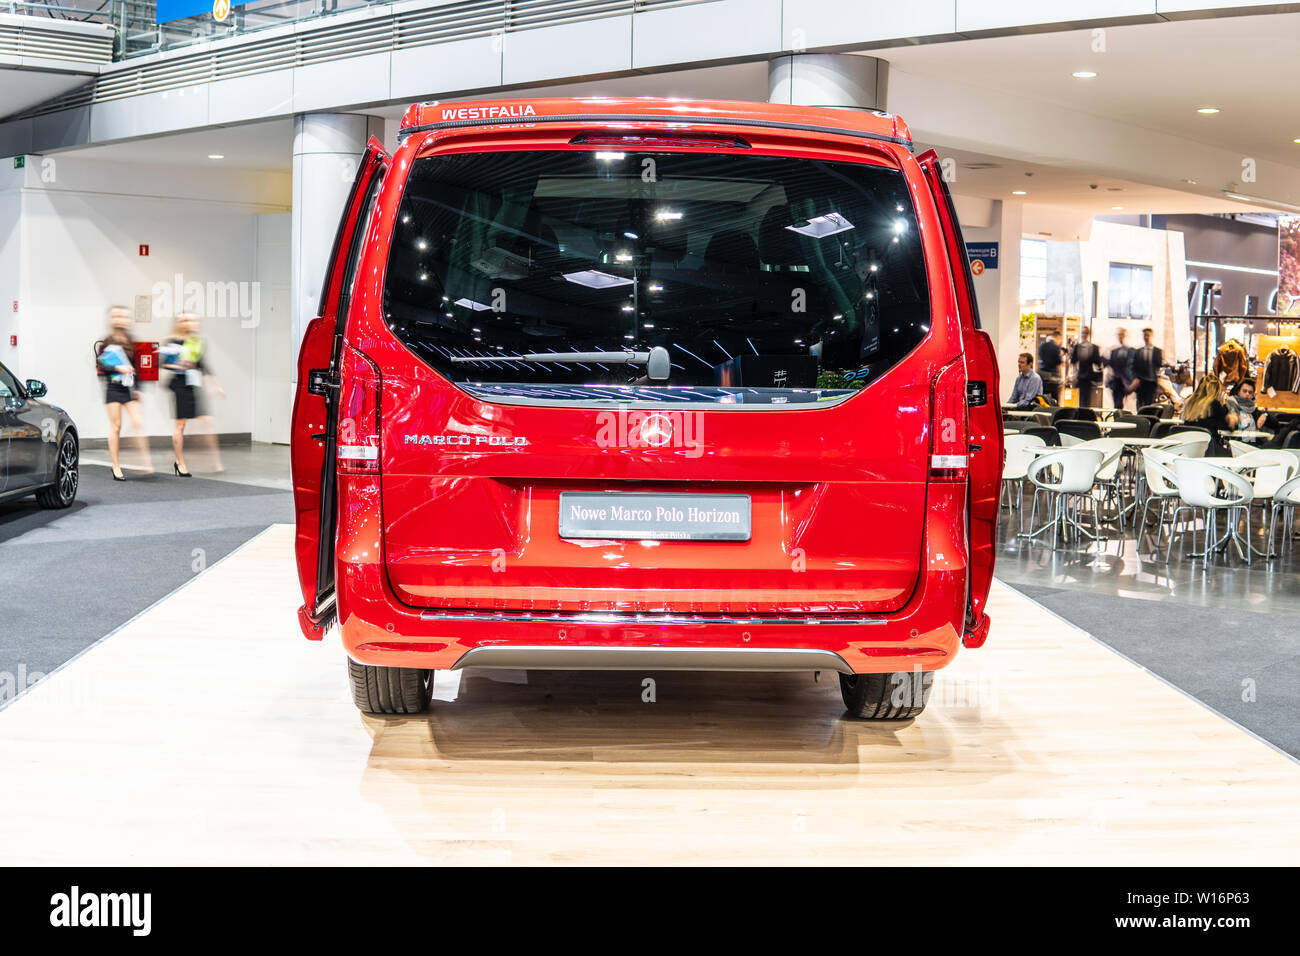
659, 517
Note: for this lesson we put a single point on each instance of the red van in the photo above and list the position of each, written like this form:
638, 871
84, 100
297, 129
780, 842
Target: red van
647, 384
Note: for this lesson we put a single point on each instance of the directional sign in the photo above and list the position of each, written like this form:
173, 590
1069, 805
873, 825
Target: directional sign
984, 253
167, 11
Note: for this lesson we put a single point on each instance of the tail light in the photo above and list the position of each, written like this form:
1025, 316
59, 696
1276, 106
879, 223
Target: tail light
949, 429
358, 419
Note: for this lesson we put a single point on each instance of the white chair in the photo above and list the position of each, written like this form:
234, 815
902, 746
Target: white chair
1190, 444
1112, 450
1293, 452
1015, 465
1274, 467
1161, 485
1285, 500
1068, 477
1240, 448
1069, 441
1214, 490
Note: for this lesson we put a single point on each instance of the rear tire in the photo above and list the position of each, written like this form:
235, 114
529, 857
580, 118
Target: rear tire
898, 696
389, 690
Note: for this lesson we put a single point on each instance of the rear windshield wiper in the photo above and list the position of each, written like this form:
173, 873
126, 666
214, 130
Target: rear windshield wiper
657, 363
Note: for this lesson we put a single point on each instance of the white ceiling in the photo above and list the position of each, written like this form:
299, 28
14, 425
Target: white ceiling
264, 146
1153, 75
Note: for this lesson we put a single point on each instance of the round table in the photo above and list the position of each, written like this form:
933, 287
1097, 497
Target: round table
1151, 442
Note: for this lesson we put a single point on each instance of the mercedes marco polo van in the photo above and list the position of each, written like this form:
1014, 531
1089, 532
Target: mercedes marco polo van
651, 385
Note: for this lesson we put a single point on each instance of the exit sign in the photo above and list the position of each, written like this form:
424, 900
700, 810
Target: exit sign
20, 162
144, 248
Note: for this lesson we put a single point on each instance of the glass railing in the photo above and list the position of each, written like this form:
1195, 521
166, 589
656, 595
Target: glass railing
147, 26
177, 23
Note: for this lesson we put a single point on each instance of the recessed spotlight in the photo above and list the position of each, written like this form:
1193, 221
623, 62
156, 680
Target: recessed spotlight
1018, 192
1083, 75
216, 156
1207, 109
1296, 140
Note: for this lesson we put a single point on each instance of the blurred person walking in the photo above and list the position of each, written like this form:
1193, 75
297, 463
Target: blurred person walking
1147, 362
1049, 368
1086, 359
1119, 363
115, 357
184, 355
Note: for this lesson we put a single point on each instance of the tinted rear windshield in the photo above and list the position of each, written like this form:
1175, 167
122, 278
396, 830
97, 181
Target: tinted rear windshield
579, 276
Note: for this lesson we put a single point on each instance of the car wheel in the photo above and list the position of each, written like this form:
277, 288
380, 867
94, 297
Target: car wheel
897, 696
67, 475
390, 690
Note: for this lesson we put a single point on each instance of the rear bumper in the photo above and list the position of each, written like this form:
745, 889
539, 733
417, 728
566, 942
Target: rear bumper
378, 629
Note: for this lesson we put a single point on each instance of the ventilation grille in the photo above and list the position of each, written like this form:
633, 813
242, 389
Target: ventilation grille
467, 20
54, 44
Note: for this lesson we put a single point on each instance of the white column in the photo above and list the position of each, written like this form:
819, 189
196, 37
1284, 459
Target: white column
827, 79
998, 290
326, 150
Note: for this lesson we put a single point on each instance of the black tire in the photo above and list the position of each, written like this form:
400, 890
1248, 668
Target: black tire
67, 475
389, 690
898, 696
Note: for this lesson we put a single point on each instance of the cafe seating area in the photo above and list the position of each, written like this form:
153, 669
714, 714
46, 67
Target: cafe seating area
1076, 479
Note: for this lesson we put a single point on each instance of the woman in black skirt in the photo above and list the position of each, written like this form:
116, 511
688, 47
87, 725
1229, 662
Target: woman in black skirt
114, 356
184, 356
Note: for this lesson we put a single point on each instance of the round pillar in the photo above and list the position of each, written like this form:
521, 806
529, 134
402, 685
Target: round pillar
827, 79
326, 150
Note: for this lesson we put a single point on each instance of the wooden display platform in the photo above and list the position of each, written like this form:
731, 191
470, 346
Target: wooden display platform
208, 731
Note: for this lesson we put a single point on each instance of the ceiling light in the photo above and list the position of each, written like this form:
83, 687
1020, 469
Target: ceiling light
1242, 197
1207, 109
216, 156
819, 227
1083, 75
608, 157
1297, 140
1117, 208
1018, 192
593, 279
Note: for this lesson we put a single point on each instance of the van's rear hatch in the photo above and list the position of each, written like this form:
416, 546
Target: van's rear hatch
655, 382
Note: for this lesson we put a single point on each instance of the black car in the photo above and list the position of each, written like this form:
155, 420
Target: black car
39, 453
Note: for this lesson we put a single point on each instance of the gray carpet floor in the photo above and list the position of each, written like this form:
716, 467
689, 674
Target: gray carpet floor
70, 577
1244, 664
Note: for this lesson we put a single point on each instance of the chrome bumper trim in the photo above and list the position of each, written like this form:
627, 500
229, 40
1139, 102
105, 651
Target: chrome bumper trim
563, 617
579, 658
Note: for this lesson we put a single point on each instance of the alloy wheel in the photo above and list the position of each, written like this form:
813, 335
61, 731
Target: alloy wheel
68, 474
